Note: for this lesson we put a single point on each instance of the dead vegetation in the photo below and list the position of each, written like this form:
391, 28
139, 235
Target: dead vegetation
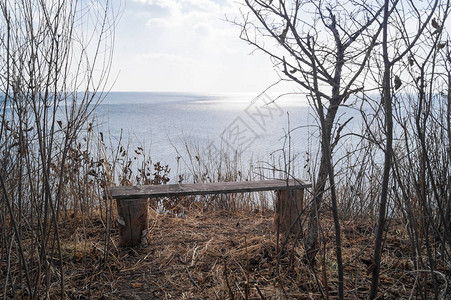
228, 255
56, 235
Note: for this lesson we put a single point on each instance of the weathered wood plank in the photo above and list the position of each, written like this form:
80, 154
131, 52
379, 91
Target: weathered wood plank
132, 218
289, 205
168, 190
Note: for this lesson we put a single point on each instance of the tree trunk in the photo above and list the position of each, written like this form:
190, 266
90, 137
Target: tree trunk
311, 241
387, 103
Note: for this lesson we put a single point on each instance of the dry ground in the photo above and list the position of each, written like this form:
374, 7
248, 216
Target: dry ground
229, 255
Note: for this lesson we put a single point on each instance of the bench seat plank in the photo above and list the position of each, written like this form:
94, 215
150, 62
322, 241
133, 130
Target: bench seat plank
168, 190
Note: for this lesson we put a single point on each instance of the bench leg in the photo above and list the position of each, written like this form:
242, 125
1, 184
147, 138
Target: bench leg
132, 218
289, 205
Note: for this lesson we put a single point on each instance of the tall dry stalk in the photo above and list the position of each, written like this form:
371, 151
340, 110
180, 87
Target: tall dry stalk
55, 58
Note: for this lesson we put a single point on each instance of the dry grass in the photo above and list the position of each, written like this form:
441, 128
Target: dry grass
221, 255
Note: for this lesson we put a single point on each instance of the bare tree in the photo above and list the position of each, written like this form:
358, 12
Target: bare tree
421, 160
55, 58
336, 50
324, 47
393, 51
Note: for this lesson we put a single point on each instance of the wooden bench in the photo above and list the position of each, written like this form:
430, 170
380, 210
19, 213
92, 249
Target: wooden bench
132, 202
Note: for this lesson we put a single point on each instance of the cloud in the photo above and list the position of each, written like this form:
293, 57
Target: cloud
186, 13
158, 22
202, 28
161, 57
194, 26
186, 45
202, 5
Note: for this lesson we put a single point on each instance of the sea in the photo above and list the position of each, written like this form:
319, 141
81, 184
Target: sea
265, 128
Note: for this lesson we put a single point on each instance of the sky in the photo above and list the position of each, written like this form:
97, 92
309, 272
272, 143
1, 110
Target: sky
186, 46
